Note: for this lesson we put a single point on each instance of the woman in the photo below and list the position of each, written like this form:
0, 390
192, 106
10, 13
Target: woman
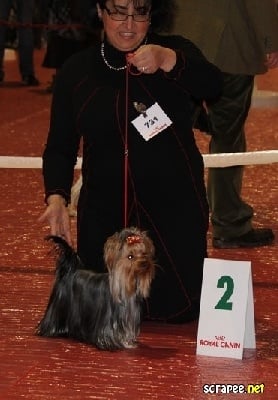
128, 98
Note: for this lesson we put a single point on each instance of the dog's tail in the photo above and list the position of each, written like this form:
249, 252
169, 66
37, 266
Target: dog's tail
67, 261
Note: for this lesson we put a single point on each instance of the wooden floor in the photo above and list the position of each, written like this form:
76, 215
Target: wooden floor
165, 365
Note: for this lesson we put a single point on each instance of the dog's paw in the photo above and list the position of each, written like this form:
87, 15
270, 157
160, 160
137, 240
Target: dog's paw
130, 345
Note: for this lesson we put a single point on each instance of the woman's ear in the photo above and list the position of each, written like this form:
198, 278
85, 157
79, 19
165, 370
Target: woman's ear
99, 12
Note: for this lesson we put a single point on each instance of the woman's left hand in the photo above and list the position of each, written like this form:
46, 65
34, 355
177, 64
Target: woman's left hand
149, 58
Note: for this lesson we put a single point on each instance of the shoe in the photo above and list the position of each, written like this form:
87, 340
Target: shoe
30, 80
50, 87
254, 238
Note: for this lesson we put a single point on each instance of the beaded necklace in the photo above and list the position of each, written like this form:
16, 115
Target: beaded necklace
108, 64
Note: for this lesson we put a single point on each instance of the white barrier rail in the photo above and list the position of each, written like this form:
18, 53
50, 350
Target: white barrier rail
220, 160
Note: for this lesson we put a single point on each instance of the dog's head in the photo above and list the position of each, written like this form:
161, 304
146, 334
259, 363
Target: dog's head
129, 257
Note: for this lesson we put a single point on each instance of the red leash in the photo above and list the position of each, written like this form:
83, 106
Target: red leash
126, 153
134, 73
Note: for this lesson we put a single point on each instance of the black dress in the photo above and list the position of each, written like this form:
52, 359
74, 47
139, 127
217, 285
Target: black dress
165, 185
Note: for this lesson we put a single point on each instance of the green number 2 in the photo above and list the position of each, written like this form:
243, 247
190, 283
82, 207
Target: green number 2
223, 303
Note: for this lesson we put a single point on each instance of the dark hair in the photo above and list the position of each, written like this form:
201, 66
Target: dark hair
162, 13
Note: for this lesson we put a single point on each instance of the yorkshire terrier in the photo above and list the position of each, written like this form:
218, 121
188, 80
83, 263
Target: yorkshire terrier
102, 309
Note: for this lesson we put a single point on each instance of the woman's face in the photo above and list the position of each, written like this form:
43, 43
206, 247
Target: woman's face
124, 35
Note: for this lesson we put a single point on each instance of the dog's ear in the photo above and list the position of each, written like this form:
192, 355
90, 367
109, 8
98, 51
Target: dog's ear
112, 247
148, 243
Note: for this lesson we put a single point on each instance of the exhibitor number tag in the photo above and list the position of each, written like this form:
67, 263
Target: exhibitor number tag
151, 122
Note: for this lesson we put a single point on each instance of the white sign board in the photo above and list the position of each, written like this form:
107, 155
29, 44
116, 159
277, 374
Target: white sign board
226, 322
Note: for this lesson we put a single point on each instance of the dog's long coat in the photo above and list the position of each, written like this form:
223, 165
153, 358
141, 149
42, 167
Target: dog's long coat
85, 305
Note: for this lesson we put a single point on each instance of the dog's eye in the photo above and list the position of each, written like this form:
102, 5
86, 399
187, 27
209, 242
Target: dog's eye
130, 257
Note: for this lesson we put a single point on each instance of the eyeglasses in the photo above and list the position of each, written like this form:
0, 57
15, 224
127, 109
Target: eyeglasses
120, 16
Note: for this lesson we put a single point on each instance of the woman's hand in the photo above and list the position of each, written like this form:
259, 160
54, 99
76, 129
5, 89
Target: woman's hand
57, 216
150, 57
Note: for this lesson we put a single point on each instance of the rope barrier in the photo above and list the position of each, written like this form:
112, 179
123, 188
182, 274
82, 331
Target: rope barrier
219, 160
16, 25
